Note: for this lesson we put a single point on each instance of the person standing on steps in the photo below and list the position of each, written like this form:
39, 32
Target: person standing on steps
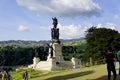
110, 58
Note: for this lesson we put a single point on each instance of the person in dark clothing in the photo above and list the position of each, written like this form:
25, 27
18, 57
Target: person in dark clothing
7, 75
25, 75
109, 58
0, 75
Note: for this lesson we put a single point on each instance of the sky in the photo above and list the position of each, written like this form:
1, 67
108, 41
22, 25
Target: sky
32, 19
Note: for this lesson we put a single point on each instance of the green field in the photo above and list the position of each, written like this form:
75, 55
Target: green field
98, 72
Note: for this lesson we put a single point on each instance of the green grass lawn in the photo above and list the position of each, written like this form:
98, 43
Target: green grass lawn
98, 72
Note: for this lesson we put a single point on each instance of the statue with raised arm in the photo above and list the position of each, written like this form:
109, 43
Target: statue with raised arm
55, 31
55, 22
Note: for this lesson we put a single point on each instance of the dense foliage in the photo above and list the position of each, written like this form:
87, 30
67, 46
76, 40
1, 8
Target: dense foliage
98, 40
23, 55
16, 55
70, 51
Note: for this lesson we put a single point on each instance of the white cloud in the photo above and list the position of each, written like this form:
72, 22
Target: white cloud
77, 31
116, 17
108, 25
63, 7
24, 28
71, 31
99, 26
111, 26
68, 31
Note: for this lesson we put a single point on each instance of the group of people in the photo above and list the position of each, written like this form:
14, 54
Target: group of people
110, 59
4, 75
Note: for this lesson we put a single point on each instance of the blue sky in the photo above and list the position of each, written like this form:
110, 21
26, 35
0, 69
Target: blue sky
32, 19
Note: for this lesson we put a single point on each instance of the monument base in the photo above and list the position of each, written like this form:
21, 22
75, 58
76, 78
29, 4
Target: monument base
52, 65
55, 61
75, 62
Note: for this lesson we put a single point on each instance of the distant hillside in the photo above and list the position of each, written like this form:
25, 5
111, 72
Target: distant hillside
71, 40
43, 42
75, 43
22, 43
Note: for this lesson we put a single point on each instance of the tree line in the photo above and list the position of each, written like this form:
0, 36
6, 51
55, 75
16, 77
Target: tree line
19, 55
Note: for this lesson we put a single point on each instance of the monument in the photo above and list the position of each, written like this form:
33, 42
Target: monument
55, 46
55, 60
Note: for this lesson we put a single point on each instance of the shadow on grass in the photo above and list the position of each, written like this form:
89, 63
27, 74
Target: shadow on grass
101, 78
69, 76
104, 78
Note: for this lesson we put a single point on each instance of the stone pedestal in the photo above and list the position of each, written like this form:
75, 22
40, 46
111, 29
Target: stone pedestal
54, 62
57, 52
75, 63
36, 60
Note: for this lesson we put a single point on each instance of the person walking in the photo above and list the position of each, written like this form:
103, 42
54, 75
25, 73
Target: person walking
25, 75
0, 75
110, 58
8, 77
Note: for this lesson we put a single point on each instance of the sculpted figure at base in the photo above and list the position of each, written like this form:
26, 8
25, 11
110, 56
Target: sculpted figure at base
51, 50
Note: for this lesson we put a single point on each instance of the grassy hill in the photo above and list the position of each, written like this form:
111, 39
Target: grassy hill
98, 72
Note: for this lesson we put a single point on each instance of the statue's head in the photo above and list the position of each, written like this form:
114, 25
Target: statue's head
55, 22
54, 19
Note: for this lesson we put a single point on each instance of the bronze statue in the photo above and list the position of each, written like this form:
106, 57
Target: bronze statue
55, 31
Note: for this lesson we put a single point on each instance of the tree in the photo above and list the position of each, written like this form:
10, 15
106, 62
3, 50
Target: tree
98, 40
